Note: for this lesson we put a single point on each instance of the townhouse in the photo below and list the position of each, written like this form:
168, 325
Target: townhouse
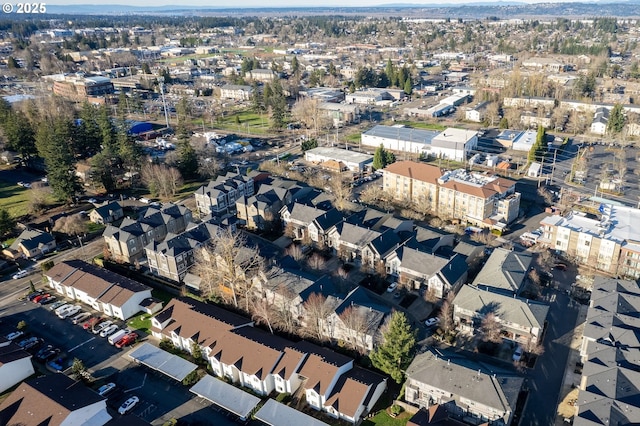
505, 271
103, 290
236, 92
219, 196
173, 257
521, 320
478, 199
15, 364
54, 400
466, 389
264, 363
126, 242
610, 353
310, 221
107, 213
609, 243
262, 210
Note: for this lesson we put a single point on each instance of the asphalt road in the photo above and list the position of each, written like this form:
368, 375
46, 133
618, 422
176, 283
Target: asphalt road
545, 381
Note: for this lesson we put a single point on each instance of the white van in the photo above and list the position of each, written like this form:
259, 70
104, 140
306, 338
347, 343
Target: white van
118, 335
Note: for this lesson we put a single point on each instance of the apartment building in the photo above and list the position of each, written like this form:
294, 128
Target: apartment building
610, 243
486, 201
220, 195
80, 88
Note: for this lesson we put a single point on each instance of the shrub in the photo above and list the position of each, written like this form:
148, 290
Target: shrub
396, 409
283, 397
21, 325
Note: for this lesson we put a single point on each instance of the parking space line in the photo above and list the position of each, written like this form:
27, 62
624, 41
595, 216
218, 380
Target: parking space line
81, 344
144, 379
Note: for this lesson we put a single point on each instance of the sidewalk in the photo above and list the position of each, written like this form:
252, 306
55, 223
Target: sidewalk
571, 380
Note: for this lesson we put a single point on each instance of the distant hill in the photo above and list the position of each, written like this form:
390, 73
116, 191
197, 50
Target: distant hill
470, 10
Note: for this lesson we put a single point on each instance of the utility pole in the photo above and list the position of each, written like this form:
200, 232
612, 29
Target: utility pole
164, 102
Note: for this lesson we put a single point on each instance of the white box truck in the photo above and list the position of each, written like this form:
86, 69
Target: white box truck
118, 335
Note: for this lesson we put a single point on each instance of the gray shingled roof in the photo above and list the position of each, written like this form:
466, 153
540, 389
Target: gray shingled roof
505, 270
468, 379
507, 308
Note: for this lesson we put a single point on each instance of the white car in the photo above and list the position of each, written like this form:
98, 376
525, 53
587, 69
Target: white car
15, 335
517, 354
98, 328
105, 389
432, 321
128, 405
71, 311
392, 287
109, 330
20, 274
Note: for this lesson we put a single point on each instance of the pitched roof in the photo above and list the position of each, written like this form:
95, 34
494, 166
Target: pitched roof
507, 308
251, 350
421, 262
204, 323
496, 389
356, 235
616, 329
321, 366
353, 389
106, 210
47, 400
419, 171
12, 352
505, 270
195, 236
32, 238
98, 283
288, 364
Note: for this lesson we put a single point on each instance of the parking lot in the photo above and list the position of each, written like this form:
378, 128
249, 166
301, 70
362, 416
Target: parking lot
161, 398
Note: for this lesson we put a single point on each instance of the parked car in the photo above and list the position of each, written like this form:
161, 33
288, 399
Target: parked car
98, 328
47, 300
517, 355
392, 287
127, 340
58, 304
109, 330
14, 335
82, 316
20, 274
128, 405
430, 322
35, 294
30, 342
59, 363
41, 296
105, 389
91, 322
47, 353
66, 313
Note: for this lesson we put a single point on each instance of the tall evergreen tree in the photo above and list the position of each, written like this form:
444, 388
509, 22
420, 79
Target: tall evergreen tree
395, 354
54, 145
379, 158
617, 119
20, 135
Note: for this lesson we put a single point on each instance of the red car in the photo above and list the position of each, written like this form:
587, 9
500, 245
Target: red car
127, 340
39, 298
89, 324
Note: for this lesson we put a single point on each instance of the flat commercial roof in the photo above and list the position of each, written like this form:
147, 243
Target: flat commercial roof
276, 414
340, 154
171, 365
226, 396
402, 133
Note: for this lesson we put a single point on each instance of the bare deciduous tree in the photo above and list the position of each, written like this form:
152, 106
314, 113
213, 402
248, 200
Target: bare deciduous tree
446, 313
307, 111
161, 180
232, 265
355, 322
39, 199
490, 329
71, 225
341, 191
317, 310
316, 262
263, 312
295, 251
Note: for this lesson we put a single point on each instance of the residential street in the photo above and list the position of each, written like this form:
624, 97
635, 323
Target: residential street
545, 381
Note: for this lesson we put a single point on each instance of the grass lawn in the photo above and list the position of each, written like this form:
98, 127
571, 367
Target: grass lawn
354, 137
14, 198
383, 419
93, 227
250, 122
421, 125
187, 189
141, 322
